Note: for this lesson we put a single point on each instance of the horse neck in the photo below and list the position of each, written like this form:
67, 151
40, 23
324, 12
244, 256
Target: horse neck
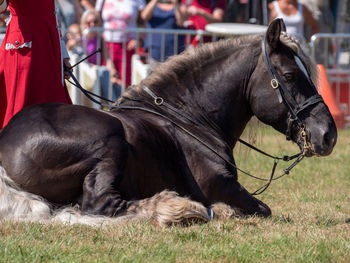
214, 95
227, 109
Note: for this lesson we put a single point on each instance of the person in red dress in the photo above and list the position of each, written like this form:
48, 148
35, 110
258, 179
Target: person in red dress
203, 12
31, 57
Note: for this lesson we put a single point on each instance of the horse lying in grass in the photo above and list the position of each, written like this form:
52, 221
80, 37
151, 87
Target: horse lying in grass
165, 150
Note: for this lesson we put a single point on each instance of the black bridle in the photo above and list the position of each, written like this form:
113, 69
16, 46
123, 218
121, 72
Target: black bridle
285, 97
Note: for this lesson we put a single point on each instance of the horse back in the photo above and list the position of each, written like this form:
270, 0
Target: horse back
49, 148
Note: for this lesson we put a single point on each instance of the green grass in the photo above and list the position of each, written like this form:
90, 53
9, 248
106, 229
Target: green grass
310, 222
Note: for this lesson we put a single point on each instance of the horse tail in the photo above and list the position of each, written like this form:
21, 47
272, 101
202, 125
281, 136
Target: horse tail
16, 204
166, 208
19, 205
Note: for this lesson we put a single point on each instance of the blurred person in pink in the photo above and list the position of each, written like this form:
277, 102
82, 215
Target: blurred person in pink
120, 14
32, 56
94, 40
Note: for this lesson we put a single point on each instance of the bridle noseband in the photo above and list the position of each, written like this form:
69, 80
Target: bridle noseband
285, 97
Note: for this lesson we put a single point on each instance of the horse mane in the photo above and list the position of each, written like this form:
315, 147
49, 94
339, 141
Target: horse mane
193, 59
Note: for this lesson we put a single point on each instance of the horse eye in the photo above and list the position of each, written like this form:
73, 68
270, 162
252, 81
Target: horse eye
289, 76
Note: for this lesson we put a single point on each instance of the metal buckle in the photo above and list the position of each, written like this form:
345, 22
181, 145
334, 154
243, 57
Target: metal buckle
274, 83
158, 101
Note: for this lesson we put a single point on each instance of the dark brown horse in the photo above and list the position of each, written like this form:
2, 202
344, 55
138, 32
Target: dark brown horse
165, 150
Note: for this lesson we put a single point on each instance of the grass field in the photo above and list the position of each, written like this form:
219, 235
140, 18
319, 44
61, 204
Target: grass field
310, 222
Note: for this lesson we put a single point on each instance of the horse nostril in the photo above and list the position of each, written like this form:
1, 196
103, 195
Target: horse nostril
327, 139
328, 143
330, 139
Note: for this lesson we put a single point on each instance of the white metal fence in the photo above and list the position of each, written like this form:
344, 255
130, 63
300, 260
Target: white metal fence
331, 50
140, 66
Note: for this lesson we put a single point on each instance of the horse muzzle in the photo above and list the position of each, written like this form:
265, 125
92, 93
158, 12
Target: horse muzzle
317, 142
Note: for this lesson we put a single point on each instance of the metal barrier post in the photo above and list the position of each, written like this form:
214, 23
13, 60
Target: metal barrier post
336, 59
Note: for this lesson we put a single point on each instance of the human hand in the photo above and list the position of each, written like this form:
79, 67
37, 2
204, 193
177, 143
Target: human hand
193, 11
116, 80
115, 77
131, 45
71, 43
67, 66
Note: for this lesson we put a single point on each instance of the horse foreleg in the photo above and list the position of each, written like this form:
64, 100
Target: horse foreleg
231, 192
101, 195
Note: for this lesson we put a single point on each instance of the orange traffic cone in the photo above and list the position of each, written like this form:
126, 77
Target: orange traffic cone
326, 92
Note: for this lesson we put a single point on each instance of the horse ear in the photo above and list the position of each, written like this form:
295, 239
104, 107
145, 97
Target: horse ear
274, 31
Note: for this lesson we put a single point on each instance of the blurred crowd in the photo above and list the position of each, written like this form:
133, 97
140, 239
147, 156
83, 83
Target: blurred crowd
304, 18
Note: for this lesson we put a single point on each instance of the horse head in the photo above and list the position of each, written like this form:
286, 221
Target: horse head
283, 94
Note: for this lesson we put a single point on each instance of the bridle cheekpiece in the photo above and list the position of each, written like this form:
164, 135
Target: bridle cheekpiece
285, 97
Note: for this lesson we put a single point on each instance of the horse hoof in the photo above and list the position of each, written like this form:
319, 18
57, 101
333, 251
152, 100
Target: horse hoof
224, 211
265, 211
194, 217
